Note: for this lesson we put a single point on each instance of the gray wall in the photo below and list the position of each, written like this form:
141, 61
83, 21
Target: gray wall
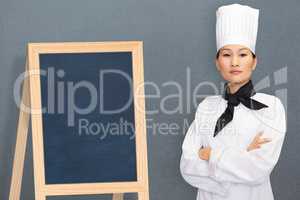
178, 35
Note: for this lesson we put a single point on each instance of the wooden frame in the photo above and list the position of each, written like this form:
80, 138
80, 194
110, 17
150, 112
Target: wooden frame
32, 94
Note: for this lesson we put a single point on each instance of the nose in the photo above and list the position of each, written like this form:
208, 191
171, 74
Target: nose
234, 61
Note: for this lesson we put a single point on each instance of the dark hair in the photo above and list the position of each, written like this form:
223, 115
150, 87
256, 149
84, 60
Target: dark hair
218, 54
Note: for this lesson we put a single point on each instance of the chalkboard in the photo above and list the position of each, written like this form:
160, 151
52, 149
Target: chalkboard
83, 149
89, 136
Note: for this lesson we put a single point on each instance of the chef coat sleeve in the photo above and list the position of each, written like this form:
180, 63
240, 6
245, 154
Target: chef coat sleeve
194, 170
252, 167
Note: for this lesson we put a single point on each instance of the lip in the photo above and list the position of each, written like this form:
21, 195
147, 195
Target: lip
235, 72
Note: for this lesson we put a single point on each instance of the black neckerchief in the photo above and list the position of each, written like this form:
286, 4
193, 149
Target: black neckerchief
241, 96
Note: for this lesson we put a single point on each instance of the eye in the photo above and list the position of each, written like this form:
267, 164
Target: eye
243, 54
225, 54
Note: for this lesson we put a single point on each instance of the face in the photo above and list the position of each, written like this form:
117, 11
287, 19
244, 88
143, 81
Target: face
236, 63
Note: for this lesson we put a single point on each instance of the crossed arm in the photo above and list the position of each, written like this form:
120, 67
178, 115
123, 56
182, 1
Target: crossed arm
212, 169
257, 142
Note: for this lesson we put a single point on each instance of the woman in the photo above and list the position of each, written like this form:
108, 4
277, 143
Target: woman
235, 140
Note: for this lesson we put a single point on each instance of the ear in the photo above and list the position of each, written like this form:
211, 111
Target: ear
254, 64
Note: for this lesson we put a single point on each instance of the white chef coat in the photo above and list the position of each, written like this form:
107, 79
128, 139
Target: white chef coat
232, 172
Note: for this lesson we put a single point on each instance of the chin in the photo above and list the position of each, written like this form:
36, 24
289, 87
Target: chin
237, 79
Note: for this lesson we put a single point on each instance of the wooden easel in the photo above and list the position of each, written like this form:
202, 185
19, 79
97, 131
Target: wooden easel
20, 150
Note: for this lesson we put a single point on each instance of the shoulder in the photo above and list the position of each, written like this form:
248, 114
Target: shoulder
210, 103
273, 102
208, 100
212, 98
274, 115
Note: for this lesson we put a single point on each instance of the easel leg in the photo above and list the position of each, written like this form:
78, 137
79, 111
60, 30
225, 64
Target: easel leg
119, 196
20, 149
143, 196
39, 196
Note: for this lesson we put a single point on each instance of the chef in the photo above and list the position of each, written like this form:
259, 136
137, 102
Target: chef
235, 139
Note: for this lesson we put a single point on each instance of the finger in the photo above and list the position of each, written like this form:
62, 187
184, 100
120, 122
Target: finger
265, 140
253, 147
259, 135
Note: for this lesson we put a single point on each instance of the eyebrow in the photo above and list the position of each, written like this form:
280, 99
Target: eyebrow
244, 49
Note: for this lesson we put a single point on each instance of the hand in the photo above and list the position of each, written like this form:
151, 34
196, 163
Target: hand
257, 142
204, 153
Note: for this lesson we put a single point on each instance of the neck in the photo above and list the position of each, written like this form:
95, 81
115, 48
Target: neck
235, 86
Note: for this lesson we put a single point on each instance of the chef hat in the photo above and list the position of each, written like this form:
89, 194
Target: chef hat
236, 24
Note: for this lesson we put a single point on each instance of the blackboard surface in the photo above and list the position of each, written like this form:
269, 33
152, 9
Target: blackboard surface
73, 154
